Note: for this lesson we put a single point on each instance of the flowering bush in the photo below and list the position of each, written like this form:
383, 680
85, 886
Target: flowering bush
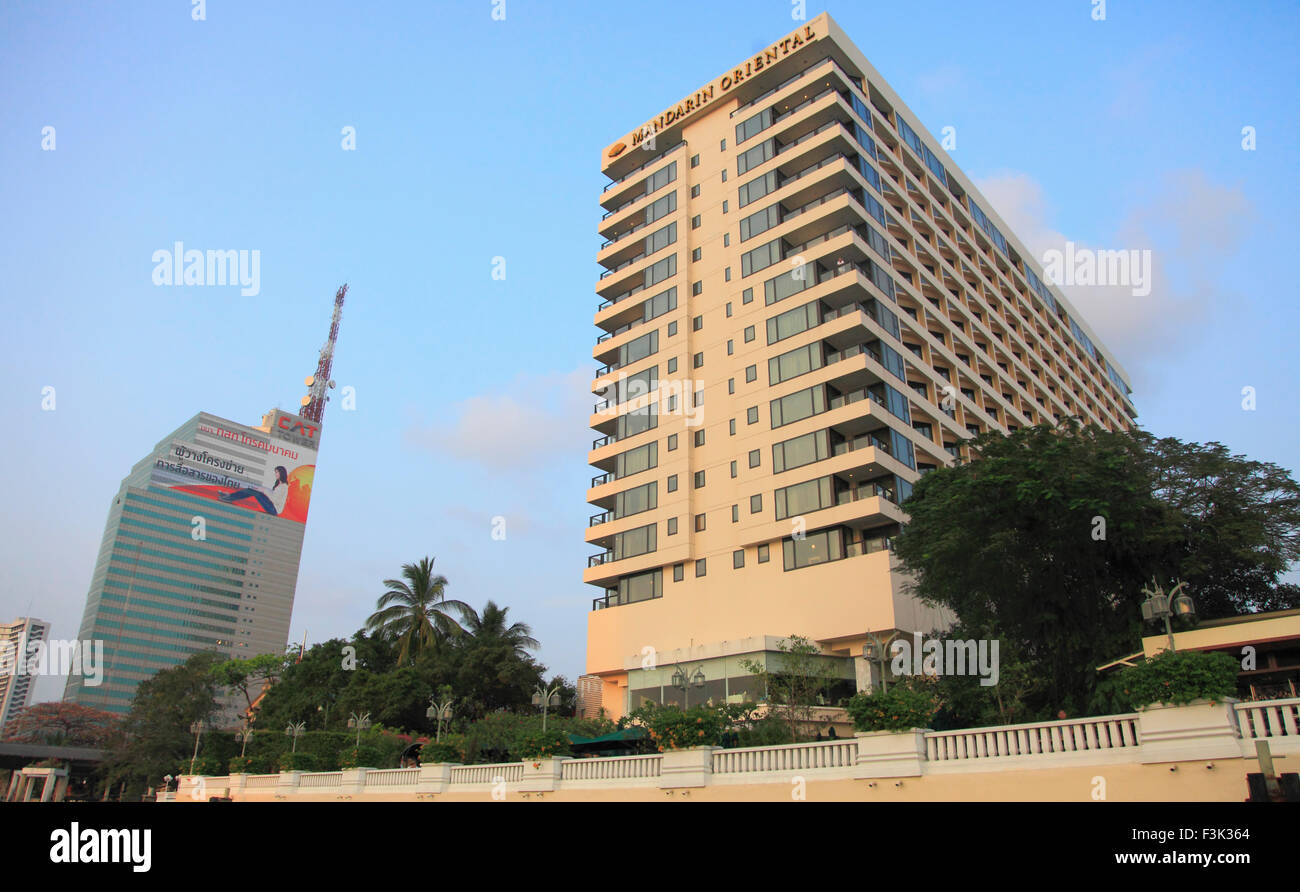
544, 744
674, 729
241, 765
450, 749
910, 704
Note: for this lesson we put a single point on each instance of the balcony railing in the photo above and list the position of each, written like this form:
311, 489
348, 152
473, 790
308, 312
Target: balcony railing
640, 168
602, 479
597, 559
598, 519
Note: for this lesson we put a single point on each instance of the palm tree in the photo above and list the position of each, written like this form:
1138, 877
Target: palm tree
416, 611
491, 626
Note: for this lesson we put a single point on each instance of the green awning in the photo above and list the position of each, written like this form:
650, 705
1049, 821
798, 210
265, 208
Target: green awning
627, 735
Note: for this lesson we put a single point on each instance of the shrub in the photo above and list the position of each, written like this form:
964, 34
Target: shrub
1178, 677
544, 744
910, 704
207, 766
450, 749
360, 757
297, 762
241, 765
671, 728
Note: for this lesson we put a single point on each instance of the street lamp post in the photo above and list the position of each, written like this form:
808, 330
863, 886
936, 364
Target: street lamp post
196, 728
294, 729
545, 699
361, 723
242, 737
684, 682
440, 711
877, 651
1159, 606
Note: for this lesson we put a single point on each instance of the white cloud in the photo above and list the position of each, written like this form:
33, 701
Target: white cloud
536, 420
1191, 226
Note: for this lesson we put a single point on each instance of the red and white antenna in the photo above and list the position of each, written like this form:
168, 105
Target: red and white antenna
317, 385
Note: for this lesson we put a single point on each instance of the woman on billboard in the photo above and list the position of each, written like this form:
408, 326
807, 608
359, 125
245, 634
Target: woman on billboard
272, 504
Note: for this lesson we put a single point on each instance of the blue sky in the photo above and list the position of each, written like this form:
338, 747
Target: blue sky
478, 138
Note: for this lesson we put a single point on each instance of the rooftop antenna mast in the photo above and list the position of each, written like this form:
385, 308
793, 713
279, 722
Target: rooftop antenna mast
317, 385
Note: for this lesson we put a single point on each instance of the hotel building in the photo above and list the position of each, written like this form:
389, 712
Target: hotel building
200, 552
805, 306
15, 682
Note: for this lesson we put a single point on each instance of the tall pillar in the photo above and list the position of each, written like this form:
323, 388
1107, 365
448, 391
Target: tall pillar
47, 788
11, 794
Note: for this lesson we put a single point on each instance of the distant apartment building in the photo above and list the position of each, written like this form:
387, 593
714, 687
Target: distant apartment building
806, 305
200, 551
16, 683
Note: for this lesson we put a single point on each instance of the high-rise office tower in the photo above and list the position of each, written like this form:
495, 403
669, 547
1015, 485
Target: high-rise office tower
200, 551
806, 305
15, 681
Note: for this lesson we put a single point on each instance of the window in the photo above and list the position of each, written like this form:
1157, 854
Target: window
724, 176
672, 483
699, 523
698, 361
731, 385
798, 406
701, 567
672, 442
695, 161
726, 236
731, 347
726, 273
724, 207
751, 373
732, 424
792, 322
800, 451
802, 498
634, 461
814, 548
697, 323
679, 572
751, 415
749, 332
746, 296
763, 554
695, 222
695, 191
756, 504
724, 145
799, 361
699, 479
699, 438
632, 543
751, 158
660, 178
672, 328
664, 269
661, 207
640, 587
755, 457
672, 526
639, 349
738, 559
636, 500
733, 469
756, 189
659, 304
753, 126
697, 288
697, 254
760, 258
759, 222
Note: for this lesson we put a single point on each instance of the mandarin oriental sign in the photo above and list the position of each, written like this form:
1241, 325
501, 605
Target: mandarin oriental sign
716, 90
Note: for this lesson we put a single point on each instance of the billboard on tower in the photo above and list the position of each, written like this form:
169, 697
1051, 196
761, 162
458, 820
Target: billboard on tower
268, 471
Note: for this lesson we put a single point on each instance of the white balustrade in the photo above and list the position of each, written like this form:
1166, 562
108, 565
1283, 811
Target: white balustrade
1034, 739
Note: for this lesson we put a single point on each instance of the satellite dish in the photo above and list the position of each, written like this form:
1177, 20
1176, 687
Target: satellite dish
310, 380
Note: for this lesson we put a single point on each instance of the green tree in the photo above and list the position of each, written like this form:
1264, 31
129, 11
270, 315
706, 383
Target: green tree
64, 724
415, 610
796, 681
1046, 539
246, 676
156, 732
491, 626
